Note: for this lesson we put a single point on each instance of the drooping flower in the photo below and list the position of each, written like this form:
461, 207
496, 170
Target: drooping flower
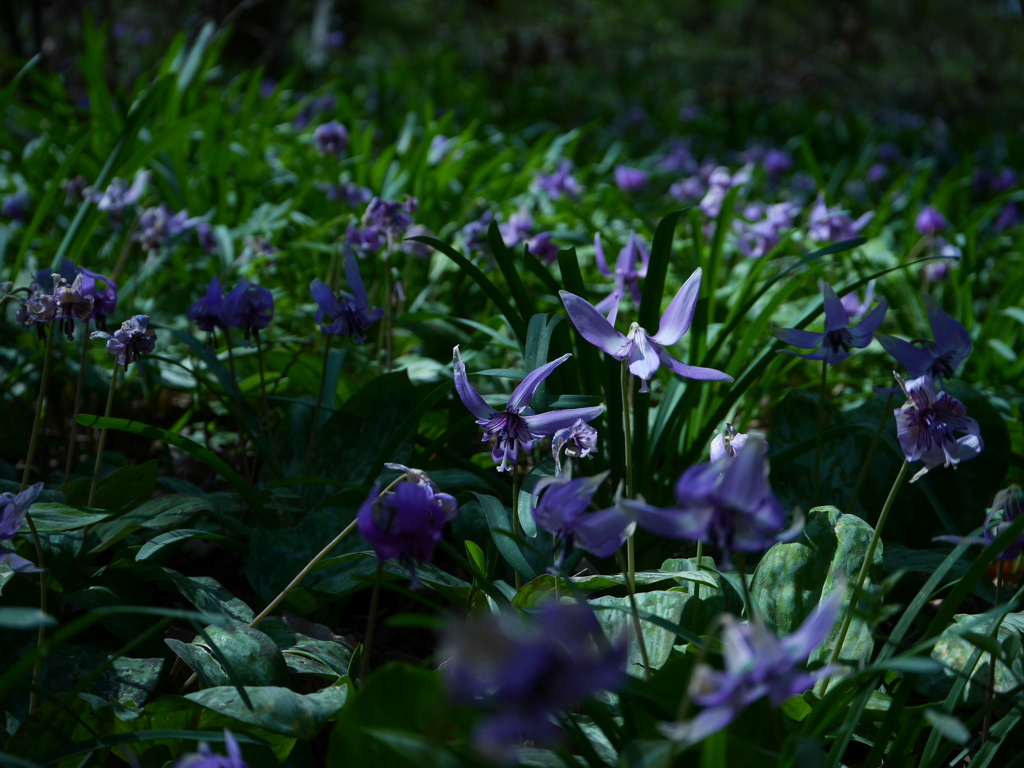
207, 758
159, 224
132, 340
474, 233
16, 206
103, 292
364, 240
937, 359
331, 138
630, 180
832, 225
835, 341
517, 228
561, 510
577, 442
348, 314
930, 221
543, 248
528, 673
391, 217
248, 307
208, 312
926, 425
727, 503
757, 664
71, 304
517, 426
446, 501
13, 508
118, 195
630, 265
728, 443
561, 182
645, 353
1007, 507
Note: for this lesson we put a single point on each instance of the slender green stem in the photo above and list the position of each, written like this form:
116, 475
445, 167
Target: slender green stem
752, 613
78, 401
37, 421
862, 477
263, 398
817, 437
371, 624
238, 404
103, 437
316, 412
992, 659
696, 586
636, 621
626, 383
388, 291
869, 557
515, 519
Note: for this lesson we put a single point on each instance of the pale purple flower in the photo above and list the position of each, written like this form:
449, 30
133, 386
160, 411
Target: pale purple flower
407, 524
543, 248
474, 234
577, 442
630, 180
446, 501
103, 291
528, 673
643, 352
348, 314
561, 510
936, 359
118, 195
158, 224
688, 189
854, 306
728, 443
517, 228
757, 664
630, 265
208, 312
16, 206
561, 182
331, 138
926, 425
129, 342
720, 182
206, 758
415, 247
1007, 507
517, 426
759, 237
727, 504
249, 308
834, 343
391, 217
72, 303
832, 225
13, 508
364, 240
876, 173
678, 159
930, 220
73, 188
777, 162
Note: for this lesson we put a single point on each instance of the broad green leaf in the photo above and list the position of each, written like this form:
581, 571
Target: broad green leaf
658, 640
164, 512
279, 710
157, 543
52, 517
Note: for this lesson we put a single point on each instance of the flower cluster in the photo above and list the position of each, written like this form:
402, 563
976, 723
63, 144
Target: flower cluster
832, 225
129, 342
247, 307
348, 314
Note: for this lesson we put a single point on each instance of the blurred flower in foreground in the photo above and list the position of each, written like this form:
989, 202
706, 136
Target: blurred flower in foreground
13, 508
727, 503
757, 664
526, 674
331, 138
517, 426
832, 225
1007, 507
577, 441
835, 341
938, 359
208, 312
543, 248
930, 220
206, 758
630, 265
561, 182
926, 423
345, 314
249, 308
630, 179
132, 340
517, 228
645, 353
728, 443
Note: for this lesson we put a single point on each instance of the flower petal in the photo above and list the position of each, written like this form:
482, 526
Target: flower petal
523, 394
677, 318
469, 396
798, 338
864, 331
325, 298
691, 371
355, 282
602, 264
836, 316
815, 629
916, 360
602, 533
593, 326
743, 482
643, 356
950, 336
541, 424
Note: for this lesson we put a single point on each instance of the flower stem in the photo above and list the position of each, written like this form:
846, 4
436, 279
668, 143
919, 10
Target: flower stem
991, 659
636, 622
863, 476
103, 437
316, 413
263, 397
515, 518
869, 557
37, 422
371, 624
752, 613
238, 403
628, 437
387, 315
74, 418
696, 587
817, 437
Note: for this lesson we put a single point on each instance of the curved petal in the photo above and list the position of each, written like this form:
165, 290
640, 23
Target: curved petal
820, 354
593, 326
798, 338
541, 424
325, 298
743, 483
836, 316
672, 522
691, 371
916, 360
355, 281
643, 356
815, 629
863, 332
677, 318
610, 304
523, 394
602, 264
950, 336
469, 396
602, 533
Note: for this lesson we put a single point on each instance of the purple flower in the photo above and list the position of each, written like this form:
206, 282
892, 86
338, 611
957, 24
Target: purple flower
392, 217
728, 443
853, 305
561, 182
158, 224
630, 265
777, 162
1004, 180
835, 341
688, 189
759, 237
118, 194
678, 159
526, 674
577, 441
73, 188
16, 206
71, 303
350, 193
206, 758
757, 664
561, 510
517, 426
888, 152
336, 39
727, 504
346, 314
926, 425
1008, 218
13, 508
645, 353
249, 308
719, 183
207, 240
630, 180
876, 173
103, 291
930, 220
474, 234
439, 148
832, 225
208, 312
447, 502
517, 228
414, 247
937, 359
543, 248
132, 340
1007, 507
365, 240
407, 524
331, 138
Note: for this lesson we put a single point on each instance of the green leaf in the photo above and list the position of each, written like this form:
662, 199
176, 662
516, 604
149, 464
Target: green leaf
209, 596
157, 543
164, 512
53, 518
278, 710
501, 531
506, 263
16, 617
615, 615
948, 725
124, 488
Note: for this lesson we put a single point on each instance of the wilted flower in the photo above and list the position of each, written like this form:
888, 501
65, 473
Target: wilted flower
577, 441
688, 189
158, 224
208, 312
1007, 507
561, 510
13, 508
831, 225
727, 503
728, 443
517, 228
757, 664
926, 423
561, 182
249, 308
777, 162
392, 217
543, 248
930, 220
118, 195
132, 340
528, 673
835, 341
630, 265
517, 426
331, 138
206, 758
16, 206
630, 179
345, 314
645, 353
937, 359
